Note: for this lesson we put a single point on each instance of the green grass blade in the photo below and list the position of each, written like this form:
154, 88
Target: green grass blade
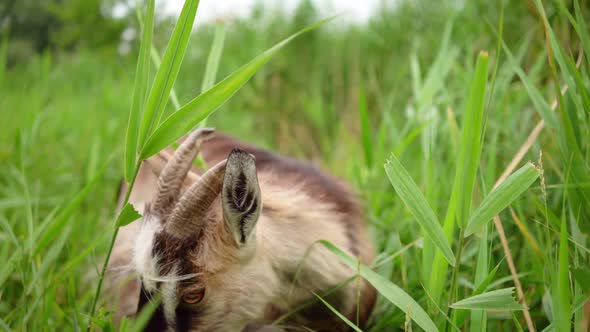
578, 23
5, 326
501, 299
49, 260
571, 143
516, 322
561, 296
468, 160
478, 317
8, 230
337, 313
558, 52
582, 30
442, 312
486, 281
139, 92
436, 77
187, 117
582, 276
415, 74
461, 315
472, 135
213, 61
76, 261
502, 196
578, 305
541, 106
9, 266
411, 195
389, 290
127, 215
56, 226
440, 267
584, 93
48, 220
365, 127
213, 58
169, 68
3, 57
436, 284
157, 61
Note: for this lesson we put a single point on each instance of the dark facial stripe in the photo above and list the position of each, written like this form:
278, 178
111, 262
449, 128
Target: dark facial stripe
182, 319
157, 322
173, 252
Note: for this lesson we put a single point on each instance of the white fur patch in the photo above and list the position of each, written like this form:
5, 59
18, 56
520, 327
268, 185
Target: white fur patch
145, 264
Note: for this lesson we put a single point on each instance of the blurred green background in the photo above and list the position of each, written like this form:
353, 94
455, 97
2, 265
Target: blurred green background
66, 81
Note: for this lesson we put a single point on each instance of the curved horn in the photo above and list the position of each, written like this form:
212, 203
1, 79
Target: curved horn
186, 218
175, 171
157, 162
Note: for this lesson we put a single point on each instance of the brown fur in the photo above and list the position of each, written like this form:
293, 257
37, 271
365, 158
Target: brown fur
295, 195
316, 183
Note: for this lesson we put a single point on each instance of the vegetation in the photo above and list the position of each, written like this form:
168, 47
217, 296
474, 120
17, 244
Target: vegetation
34, 26
422, 109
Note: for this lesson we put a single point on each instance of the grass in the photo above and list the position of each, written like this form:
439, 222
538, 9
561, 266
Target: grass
411, 82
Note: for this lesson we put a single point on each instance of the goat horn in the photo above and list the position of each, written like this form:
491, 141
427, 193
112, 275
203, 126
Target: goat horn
157, 162
187, 217
175, 171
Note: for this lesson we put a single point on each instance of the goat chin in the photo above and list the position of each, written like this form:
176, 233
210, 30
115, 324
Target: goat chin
300, 205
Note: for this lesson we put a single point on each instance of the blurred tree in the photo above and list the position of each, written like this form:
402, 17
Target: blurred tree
59, 24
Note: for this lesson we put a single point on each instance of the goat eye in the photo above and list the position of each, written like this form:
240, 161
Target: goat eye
193, 296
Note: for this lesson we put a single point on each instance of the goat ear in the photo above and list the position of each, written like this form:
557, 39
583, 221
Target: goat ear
240, 195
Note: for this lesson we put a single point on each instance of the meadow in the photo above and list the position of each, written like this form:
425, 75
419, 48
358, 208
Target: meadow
422, 109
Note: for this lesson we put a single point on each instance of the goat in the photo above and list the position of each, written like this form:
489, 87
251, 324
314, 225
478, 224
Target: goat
234, 248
